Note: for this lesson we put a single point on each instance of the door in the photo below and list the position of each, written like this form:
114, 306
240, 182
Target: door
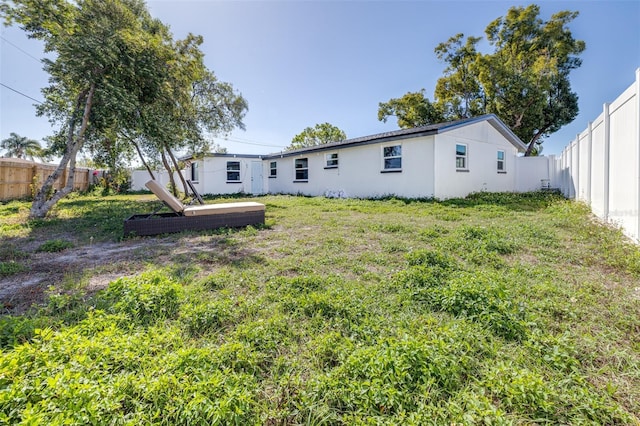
256, 178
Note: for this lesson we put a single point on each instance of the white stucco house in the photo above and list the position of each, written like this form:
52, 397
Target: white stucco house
441, 161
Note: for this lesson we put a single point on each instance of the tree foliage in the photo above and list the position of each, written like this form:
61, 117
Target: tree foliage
318, 135
524, 80
120, 85
22, 147
413, 109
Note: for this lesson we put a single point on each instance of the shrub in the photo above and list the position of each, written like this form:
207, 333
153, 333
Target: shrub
147, 297
54, 246
11, 268
15, 330
205, 317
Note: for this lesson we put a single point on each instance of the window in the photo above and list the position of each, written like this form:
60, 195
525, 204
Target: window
461, 156
233, 171
302, 169
194, 172
331, 160
392, 158
273, 169
501, 162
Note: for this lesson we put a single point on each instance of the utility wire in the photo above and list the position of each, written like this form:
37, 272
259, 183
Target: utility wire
20, 93
20, 49
237, 140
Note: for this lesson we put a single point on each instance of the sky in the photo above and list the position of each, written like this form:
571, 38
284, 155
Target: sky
299, 63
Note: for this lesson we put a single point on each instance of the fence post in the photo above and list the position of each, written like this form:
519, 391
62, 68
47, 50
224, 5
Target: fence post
638, 145
589, 160
607, 134
578, 166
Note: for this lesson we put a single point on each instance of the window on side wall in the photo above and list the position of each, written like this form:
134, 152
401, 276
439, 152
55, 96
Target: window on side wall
392, 158
194, 172
233, 171
302, 169
501, 162
461, 157
273, 169
331, 160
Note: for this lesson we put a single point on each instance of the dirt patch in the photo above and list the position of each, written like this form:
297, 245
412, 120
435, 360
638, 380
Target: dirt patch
96, 265
20, 291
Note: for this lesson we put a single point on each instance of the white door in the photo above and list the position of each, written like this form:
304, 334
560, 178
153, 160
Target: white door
256, 177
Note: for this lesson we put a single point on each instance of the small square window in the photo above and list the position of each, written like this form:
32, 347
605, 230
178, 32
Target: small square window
233, 171
331, 160
501, 161
461, 156
392, 157
273, 169
194, 172
302, 169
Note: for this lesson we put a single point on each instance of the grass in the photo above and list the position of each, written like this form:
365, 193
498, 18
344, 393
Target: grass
494, 309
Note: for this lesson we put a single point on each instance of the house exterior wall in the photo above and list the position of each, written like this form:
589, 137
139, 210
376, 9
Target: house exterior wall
213, 174
483, 142
360, 171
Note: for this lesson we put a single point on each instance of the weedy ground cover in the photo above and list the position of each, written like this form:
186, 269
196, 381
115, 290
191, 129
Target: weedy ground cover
494, 309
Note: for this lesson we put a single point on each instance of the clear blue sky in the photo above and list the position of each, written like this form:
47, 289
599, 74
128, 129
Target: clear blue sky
299, 63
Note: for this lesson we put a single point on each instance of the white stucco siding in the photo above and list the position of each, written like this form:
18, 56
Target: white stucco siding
483, 142
360, 172
212, 176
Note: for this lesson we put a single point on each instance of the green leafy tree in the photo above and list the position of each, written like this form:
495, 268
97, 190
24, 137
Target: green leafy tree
318, 135
119, 84
458, 91
524, 80
411, 110
22, 147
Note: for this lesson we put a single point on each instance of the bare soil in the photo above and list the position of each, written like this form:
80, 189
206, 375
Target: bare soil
94, 266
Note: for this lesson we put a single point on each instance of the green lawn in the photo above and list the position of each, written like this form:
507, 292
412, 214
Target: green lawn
495, 309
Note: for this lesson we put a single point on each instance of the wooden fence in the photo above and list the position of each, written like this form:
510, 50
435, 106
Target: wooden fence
20, 178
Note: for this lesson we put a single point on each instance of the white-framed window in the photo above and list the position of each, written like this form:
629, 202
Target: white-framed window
273, 169
331, 160
233, 171
302, 169
462, 156
392, 158
501, 162
194, 172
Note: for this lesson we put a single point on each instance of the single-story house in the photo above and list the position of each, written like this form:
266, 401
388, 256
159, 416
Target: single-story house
441, 161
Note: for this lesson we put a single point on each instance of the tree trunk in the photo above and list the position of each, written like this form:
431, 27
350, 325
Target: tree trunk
142, 158
534, 139
41, 202
174, 188
175, 164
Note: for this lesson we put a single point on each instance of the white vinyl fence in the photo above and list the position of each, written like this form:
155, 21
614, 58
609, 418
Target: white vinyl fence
602, 165
140, 177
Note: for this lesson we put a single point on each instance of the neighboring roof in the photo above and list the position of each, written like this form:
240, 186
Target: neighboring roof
432, 129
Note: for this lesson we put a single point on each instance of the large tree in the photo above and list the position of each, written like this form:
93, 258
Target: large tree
413, 109
117, 77
22, 147
318, 135
524, 80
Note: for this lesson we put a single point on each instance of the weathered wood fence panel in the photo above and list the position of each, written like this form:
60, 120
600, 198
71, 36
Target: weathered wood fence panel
19, 177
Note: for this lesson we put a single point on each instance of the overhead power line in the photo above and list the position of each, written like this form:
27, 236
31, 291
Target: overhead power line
20, 49
20, 93
246, 142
